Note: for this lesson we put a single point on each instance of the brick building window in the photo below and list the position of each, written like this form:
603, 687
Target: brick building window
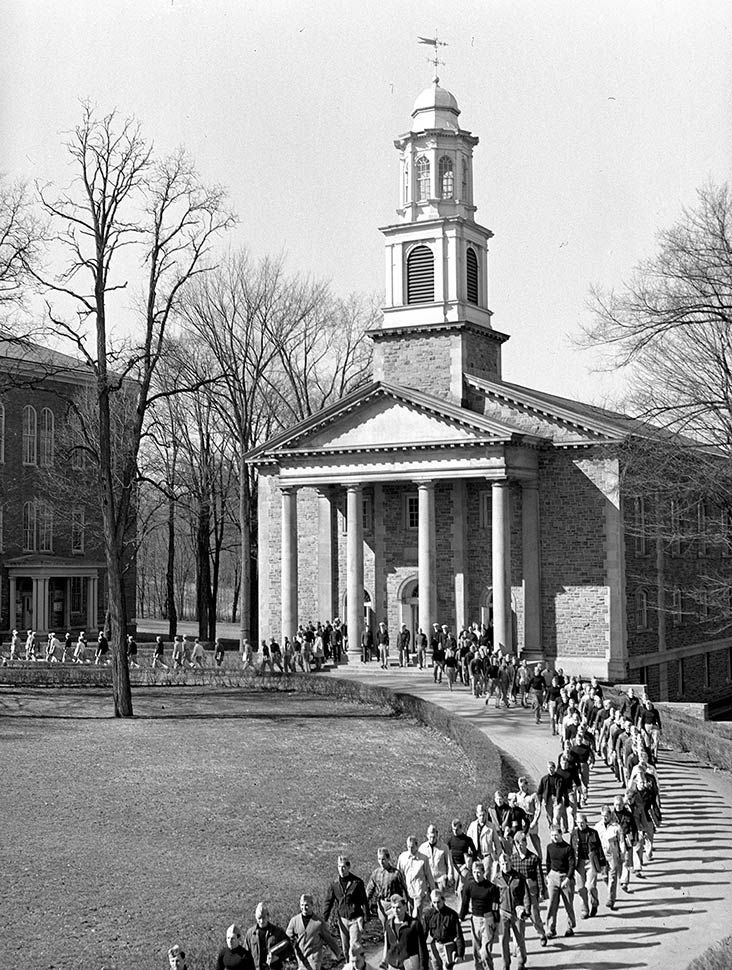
675, 517
30, 435
47, 438
420, 275
703, 604
639, 526
2, 433
641, 610
680, 678
677, 606
77, 594
725, 530
411, 512
45, 527
75, 440
423, 179
447, 177
701, 525
77, 530
29, 527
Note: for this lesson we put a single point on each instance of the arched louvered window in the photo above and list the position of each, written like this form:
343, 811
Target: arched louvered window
423, 179
420, 275
47, 438
447, 178
471, 270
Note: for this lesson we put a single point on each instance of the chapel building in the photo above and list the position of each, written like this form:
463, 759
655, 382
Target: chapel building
443, 493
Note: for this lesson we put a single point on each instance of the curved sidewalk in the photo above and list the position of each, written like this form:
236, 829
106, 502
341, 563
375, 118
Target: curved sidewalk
685, 902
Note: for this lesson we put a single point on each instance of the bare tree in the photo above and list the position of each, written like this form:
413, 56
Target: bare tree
21, 238
124, 201
670, 326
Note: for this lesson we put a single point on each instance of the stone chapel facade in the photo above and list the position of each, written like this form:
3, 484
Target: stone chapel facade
441, 492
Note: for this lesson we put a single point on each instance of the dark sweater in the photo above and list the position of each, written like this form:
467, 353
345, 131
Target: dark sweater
560, 858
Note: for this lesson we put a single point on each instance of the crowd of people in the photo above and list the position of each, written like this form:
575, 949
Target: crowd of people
487, 884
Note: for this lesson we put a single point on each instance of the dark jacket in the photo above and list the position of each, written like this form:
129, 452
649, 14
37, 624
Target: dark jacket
276, 942
348, 897
443, 926
405, 940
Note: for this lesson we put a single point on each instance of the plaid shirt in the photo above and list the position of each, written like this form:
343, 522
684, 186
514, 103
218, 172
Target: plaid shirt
531, 869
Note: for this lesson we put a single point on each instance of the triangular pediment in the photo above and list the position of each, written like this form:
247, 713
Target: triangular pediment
560, 420
388, 416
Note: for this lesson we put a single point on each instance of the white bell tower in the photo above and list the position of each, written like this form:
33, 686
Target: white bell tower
436, 254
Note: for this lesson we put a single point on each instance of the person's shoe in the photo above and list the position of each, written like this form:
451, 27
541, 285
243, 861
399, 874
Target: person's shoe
569, 931
625, 887
638, 874
551, 933
585, 915
611, 904
593, 911
543, 940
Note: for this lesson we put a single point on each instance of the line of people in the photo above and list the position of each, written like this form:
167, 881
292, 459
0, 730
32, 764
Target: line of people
488, 884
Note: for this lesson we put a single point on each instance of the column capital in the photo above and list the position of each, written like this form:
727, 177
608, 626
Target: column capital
288, 489
424, 483
354, 487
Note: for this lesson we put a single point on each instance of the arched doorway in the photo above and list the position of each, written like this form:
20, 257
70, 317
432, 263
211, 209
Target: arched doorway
409, 606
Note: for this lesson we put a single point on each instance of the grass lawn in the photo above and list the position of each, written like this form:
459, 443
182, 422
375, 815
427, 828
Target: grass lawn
122, 837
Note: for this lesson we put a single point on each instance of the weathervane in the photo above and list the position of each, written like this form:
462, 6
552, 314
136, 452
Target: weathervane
434, 60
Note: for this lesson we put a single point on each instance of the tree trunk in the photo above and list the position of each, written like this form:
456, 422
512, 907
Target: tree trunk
170, 573
235, 601
203, 568
117, 620
245, 521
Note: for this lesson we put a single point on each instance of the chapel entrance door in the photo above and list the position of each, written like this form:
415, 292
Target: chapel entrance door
410, 609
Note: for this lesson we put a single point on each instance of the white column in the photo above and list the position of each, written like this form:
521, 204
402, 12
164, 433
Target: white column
426, 555
501, 562
530, 560
35, 601
12, 621
326, 609
354, 566
91, 605
289, 562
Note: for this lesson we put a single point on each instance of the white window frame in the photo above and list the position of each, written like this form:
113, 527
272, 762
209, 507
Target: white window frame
78, 527
367, 514
411, 511
47, 438
639, 525
423, 172
677, 615
29, 526
641, 609
30, 435
446, 177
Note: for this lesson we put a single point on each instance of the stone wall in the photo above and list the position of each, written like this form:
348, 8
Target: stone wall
412, 362
575, 596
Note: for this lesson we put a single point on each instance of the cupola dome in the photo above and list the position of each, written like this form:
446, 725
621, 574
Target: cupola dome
435, 107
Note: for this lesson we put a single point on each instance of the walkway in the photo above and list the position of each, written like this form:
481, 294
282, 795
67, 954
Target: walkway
685, 902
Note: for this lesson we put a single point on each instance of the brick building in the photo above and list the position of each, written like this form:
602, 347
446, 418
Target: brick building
52, 563
443, 493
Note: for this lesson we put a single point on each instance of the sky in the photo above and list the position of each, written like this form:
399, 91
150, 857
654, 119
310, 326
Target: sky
597, 121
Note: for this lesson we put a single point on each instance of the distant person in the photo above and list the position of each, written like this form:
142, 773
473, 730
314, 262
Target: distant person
80, 649
158, 659
218, 652
197, 654
100, 657
132, 652
385, 881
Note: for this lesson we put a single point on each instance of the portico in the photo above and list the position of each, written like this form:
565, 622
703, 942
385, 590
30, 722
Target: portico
52, 594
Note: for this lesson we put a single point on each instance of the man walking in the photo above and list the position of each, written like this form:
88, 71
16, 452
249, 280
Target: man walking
309, 935
589, 861
482, 900
445, 940
346, 896
560, 866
